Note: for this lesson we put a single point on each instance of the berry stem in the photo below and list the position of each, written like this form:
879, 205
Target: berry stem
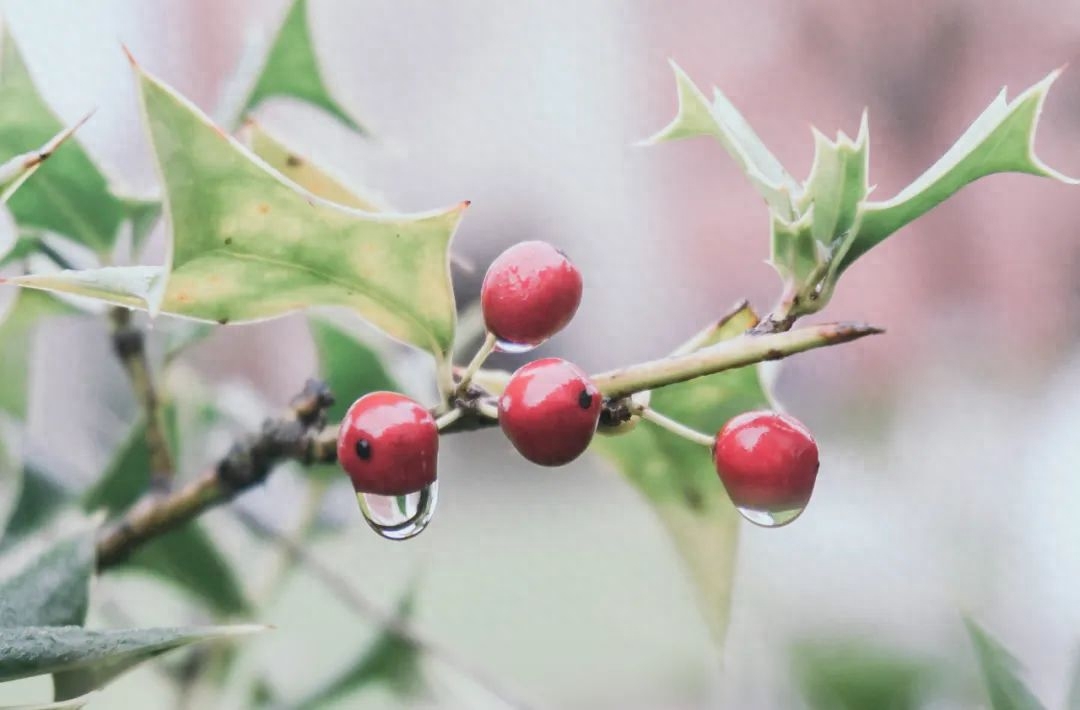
447, 419
487, 409
677, 428
478, 360
743, 350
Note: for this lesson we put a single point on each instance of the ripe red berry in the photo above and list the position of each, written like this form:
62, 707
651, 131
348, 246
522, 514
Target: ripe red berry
530, 292
549, 411
388, 444
768, 463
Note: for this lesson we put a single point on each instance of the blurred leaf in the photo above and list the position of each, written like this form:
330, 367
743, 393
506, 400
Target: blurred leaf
82, 660
860, 677
143, 214
1001, 673
349, 366
721, 120
316, 180
389, 660
1002, 139
51, 588
677, 477
292, 69
1072, 701
68, 195
27, 242
187, 556
72, 704
248, 246
39, 499
16, 338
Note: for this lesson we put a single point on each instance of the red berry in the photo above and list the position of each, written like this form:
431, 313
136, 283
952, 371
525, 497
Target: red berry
767, 461
530, 292
549, 411
388, 444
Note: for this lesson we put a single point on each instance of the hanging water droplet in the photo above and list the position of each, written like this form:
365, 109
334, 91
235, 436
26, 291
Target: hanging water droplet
505, 346
399, 517
771, 518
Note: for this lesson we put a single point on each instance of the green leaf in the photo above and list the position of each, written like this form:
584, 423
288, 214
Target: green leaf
855, 676
247, 245
68, 195
292, 69
82, 660
1001, 673
796, 256
39, 499
16, 338
390, 660
51, 588
837, 184
300, 170
17, 170
349, 366
186, 556
1002, 139
721, 120
676, 476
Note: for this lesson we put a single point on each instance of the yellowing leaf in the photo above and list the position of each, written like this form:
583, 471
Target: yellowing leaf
248, 245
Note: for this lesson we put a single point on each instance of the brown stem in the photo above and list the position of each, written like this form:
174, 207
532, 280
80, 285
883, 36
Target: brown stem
129, 342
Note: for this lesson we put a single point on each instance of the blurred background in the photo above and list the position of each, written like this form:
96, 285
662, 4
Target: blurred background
950, 462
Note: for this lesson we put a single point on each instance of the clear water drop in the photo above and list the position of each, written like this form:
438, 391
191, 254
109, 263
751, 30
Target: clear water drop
399, 517
505, 346
771, 518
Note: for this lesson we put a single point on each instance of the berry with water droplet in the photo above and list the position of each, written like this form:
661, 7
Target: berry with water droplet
768, 463
530, 292
549, 411
388, 444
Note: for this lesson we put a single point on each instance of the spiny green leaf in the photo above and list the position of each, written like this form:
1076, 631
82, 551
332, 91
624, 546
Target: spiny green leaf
17, 170
837, 184
50, 588
1001, 673
796, 255
677, 478
1002, 139
390, 660
247, 245
721, 120
186, 556
292, 69
16, 338
68, 195
299, 169
82, 660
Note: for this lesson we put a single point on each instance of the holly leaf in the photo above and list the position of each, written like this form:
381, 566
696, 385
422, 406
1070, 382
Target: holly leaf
1001, 140
1001, 672
302, 171
49, 588
697, 116
17, 170
69, 195
186, 556
837, 184
677, 478
292, 69
796, 255
247, 245
82, 660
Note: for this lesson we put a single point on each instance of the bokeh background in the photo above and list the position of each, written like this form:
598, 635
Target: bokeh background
950, 462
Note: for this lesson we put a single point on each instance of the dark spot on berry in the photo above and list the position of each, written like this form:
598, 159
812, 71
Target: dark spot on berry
585, 399
363, 449
293, 162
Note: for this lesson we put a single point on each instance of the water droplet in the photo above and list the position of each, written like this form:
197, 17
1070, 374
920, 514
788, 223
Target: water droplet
399, 517
771, 518
505, 346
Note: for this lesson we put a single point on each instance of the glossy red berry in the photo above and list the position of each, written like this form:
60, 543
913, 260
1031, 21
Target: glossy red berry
388, 444
768, 463
549, 411
530, 292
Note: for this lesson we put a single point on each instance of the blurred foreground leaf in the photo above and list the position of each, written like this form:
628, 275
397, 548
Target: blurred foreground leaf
72, 704
851, 676
1001, 673
677, 477
16, 339
51, 587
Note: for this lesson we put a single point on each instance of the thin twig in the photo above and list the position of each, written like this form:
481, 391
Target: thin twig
677, 428
486, 348
343, 589
129, 343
